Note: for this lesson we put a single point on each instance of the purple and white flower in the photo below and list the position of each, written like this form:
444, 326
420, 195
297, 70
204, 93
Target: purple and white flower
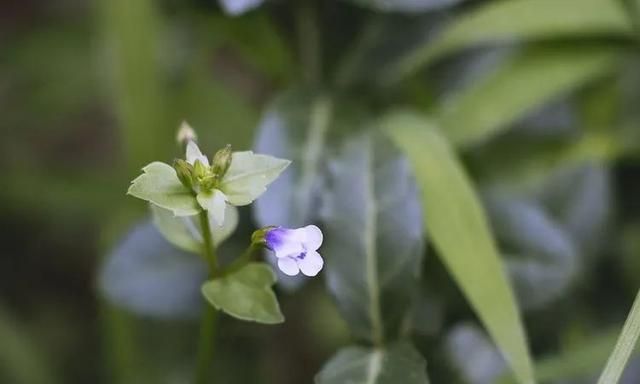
296, 249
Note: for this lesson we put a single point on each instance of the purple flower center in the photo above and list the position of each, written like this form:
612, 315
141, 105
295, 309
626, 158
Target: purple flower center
274, 238
301, 256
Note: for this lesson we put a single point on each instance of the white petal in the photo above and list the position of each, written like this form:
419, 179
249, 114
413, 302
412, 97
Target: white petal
193, 154
288, 266
311, 264
214, 203
284, 242
311, 237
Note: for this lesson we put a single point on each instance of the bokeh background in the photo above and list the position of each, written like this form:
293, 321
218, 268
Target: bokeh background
90, 91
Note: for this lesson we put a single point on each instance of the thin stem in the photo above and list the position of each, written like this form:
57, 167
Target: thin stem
208, 320
309, 48
206, 344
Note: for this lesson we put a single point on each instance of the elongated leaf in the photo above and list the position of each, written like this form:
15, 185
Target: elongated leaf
246, 294
624, 347
148, 276
184, 232
373, 236
159, 184
459, 230
293, 127
407, 6
530, 79
507, 21
399, 363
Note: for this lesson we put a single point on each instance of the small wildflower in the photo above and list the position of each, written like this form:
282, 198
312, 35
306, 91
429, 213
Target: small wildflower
296, 249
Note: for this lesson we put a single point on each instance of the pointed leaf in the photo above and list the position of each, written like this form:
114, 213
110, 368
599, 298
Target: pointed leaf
459, 230
248, 176
293, 127
159, 184
373, 236
526, 82
246, 294
508, 21
184, 232
398, 363
148, 276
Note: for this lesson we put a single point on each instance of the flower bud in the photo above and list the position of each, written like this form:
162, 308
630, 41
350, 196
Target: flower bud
200, 171
222, 161
185, 172
185, 134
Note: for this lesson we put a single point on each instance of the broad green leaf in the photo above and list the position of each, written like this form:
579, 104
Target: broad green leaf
398, 363
458, 228
408, 6
373, 236
146, 275
516, 20
539, 253
215, 205
248, 176
530, 79
238, 7
624, 347
159, 185
246, 294
294, 127
184, 231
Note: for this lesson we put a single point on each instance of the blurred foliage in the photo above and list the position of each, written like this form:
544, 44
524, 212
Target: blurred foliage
519, 119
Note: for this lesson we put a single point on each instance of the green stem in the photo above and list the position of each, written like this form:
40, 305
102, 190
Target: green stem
241, 261
208, 320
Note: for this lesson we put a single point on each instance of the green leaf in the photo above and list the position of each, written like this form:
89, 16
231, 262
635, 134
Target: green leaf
508, 21
408, 6
458, 228
248, 176
184, 232
530, 79
373, 236
294, 127
398, 363
624, 347
146, 275
246, 294
159, 184
215, 205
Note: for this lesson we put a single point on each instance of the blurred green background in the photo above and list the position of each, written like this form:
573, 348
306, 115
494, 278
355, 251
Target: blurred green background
541, 106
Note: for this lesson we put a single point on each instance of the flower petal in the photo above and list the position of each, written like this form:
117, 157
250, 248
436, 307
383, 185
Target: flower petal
284, 242
311, 264
214, 203
193, 154
288, 266
311, 237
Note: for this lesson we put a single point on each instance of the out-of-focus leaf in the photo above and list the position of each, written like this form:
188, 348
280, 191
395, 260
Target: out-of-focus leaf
148, 276
624, 346
580, 360
580, 199
540, 256
293, 127
398, 363
459, 230
248, 176
246, 294
508, 21
406, 5
528, 80
159, 184
477, 360
184, 231
238, 7
373, 236
21, 358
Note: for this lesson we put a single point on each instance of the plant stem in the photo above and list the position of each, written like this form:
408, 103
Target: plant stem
208, 320
206, 344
